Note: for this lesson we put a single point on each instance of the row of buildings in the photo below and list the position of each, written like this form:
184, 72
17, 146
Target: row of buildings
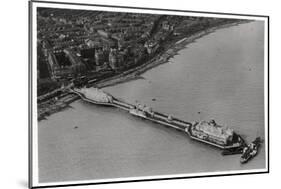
75, 42
72, 43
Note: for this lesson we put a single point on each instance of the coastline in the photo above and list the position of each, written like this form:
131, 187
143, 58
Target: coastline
161, 58
171, 49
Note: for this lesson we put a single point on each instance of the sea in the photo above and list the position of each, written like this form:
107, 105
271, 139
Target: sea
219, 76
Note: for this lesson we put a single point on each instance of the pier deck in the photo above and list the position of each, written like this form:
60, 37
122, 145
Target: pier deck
155, 116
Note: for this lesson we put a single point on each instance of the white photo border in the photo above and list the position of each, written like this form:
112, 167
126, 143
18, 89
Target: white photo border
33, 123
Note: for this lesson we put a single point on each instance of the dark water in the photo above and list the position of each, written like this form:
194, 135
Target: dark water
220, 76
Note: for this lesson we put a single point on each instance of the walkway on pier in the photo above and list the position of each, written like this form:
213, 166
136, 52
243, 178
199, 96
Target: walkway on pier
158, 115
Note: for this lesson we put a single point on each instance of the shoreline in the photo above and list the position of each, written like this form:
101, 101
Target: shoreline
171, 49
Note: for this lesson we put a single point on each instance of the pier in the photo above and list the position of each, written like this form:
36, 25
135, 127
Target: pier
143, 112
153, 116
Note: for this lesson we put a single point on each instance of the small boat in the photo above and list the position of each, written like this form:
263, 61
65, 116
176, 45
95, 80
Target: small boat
250, 151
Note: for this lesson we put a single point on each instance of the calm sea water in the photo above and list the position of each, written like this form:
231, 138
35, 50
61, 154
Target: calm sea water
220, 75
